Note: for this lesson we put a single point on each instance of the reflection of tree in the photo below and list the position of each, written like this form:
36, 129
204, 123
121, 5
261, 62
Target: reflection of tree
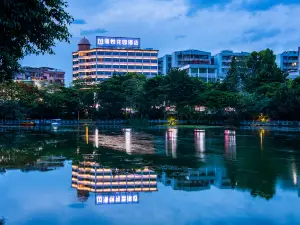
2, 221
254, 172
82, 196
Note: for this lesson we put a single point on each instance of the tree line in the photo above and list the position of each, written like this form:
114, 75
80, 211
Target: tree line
254, 88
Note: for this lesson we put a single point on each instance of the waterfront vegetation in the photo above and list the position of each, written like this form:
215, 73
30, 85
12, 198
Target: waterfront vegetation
254, 89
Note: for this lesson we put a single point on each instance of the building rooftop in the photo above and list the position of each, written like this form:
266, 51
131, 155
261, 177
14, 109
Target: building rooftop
84, 41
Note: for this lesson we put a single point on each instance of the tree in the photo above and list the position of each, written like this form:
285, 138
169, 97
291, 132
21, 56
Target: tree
238, 69
30, 27
262, 69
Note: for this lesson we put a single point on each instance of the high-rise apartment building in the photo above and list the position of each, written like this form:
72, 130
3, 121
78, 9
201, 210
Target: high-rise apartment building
112, 55
223, 61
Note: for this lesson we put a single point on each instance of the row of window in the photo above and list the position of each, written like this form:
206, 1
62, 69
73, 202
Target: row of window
116, 53
116, 67
109, 73
202, 70
116, 60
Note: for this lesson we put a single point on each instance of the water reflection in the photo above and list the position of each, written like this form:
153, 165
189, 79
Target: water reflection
230, 144
128, 141
90, 176
197, 179
199, 137
171, 142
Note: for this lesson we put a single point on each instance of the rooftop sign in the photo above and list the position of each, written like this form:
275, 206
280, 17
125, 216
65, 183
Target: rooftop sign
117, 42
117, 198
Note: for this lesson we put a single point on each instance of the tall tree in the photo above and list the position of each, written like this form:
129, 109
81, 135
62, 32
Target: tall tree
30, 27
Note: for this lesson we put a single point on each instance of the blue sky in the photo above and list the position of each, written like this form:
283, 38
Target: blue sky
170, 25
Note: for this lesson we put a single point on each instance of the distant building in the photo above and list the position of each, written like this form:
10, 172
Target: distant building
223, 61
288, 61
112, 55
165, 64
196, 63
40, 76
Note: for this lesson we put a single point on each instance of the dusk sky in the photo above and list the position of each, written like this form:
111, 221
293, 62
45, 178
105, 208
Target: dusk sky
171, 25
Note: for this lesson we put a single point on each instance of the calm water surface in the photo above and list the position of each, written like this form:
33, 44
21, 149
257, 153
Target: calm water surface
160, 176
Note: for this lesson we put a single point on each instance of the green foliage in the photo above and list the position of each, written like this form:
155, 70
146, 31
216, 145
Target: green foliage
30, 27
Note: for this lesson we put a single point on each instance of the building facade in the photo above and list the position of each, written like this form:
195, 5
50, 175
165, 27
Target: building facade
41, 76
165, 64
288, 61
223, 61
112, 55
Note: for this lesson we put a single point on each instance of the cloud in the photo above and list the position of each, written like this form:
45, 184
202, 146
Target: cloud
93, 31
258, 34
212, 26
79, 21
180, 37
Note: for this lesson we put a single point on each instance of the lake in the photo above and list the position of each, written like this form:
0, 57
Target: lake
155, 175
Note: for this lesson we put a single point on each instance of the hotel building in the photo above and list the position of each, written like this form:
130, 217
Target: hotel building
90, 176
112, 55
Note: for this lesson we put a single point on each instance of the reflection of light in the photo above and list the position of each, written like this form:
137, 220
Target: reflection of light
200, 142
87, 134
128, 140
55, 128
230, 144
171, 136
261, 135
294, 172
96, 138
78, 150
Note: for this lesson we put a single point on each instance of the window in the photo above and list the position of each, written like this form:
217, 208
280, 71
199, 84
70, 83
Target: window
202, 70
154, 54
131, 60
194, 70
108, 53
123, 67
116, 66
138, 67
116, 53
123, 60
107, 66
153, 61
115, 60
139, 60
131, 53
107, 59
100, 53
123, 53
147, 60
139, 54
211, 70
146, 67
131, 67
153, 67
146, 54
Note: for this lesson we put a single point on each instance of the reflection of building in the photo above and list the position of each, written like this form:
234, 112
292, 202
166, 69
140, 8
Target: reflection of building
127, 141
230, 144
171, 142
113, 55
45, 163
196, 179
41, 75
199, 136
92, 177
